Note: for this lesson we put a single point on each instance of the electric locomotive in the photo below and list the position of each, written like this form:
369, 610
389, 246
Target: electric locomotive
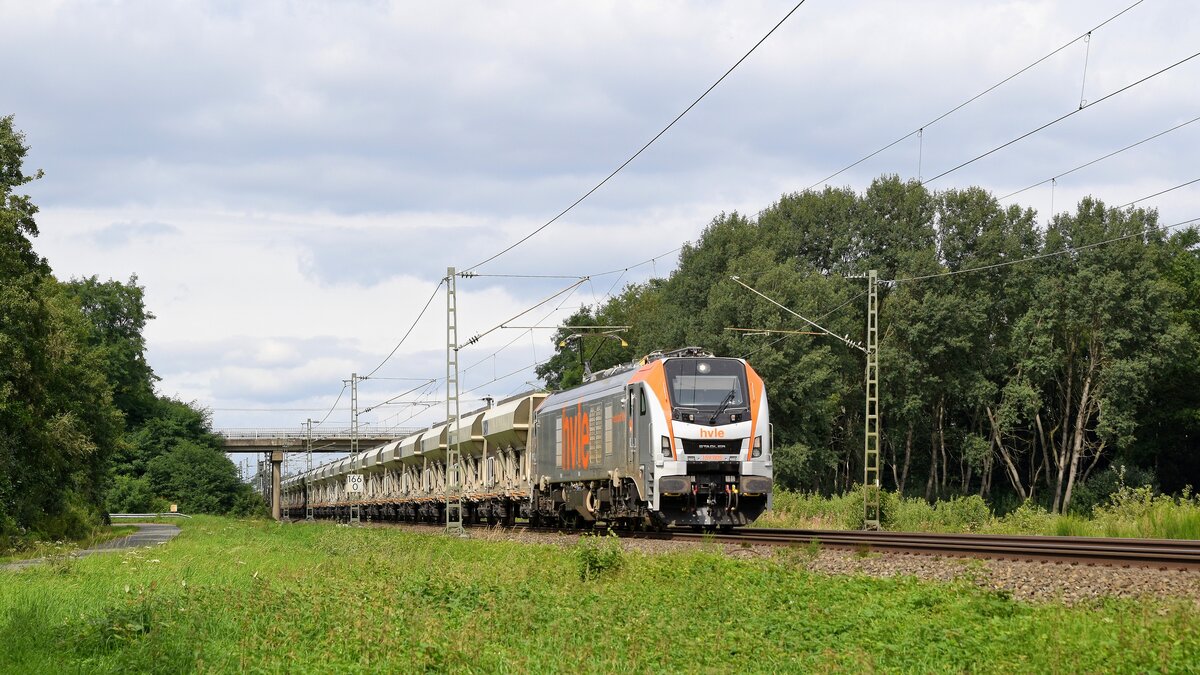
682, 438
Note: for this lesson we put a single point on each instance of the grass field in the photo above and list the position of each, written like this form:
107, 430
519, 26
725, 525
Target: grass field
255, 596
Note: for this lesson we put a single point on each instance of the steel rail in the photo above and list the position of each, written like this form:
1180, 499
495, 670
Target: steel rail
1161, 553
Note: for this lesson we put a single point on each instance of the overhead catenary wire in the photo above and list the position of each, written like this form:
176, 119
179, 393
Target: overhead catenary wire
624, 270
530, 332
589, 277
1006, 263
334, 406
566, 326
409, 331
647, 261
1100, 159
399, 379
530, 329
1160, 192
1060, 118
824, 316
520, 314
506, 375
803, 318
477, 275
650, 261
431, 386
637, 154
403, 393
423, 397
518, 337
1051, 254
920, 130
273, 410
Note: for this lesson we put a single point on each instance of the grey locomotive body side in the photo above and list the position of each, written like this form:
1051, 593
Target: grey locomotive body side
584, 465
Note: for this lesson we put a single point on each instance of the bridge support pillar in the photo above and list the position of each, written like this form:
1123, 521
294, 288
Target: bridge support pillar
276, 471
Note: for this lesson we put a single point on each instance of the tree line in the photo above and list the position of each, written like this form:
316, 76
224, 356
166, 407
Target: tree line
82, 430
1052, 379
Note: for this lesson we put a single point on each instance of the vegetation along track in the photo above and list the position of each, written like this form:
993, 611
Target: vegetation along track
1161, 553
1183, 554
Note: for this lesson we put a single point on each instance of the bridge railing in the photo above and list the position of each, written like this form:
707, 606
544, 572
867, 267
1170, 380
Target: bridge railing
364, 432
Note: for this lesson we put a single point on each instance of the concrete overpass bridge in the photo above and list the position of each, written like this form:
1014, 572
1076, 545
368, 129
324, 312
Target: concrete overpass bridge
296, 440
275, 443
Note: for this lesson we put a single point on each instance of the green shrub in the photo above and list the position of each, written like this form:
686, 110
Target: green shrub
598, 554
813, 511
1072, 525
906, 514
912, 514
248, 504
1127, 512
968, 514
1103, 487
1028, 518
133, 495
76, 519
1138, 512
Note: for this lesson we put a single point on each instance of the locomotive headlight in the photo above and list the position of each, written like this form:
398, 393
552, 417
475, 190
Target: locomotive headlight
703, 368
757, 447
666, 446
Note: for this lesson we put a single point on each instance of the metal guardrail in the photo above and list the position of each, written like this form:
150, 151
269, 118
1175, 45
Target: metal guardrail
148, 515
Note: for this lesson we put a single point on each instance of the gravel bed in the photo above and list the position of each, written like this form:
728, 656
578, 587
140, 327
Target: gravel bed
1036, 581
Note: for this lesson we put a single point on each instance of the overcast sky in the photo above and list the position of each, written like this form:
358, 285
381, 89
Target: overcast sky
290, 180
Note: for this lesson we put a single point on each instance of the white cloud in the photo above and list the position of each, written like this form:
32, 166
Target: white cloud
120, 234
290, 180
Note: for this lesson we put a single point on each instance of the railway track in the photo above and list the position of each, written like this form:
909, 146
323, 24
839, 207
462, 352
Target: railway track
1159, 553
1181, 554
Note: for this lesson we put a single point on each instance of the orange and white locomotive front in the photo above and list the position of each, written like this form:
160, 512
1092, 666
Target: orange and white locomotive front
709, 433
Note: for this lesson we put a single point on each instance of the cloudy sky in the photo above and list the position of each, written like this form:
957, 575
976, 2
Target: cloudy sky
290, 180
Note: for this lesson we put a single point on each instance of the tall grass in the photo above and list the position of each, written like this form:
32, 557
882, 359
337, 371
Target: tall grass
1138, 512
238, 596
1129, 512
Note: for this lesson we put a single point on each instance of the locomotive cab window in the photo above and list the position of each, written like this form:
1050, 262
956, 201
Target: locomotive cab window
706, 384
641, 401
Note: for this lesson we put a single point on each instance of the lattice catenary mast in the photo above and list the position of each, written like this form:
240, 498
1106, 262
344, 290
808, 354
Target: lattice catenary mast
871, 414
454, 522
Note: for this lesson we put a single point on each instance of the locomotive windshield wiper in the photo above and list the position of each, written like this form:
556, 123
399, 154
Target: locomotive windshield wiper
724, 404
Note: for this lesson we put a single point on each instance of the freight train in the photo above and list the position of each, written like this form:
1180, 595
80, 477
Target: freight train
679, 438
